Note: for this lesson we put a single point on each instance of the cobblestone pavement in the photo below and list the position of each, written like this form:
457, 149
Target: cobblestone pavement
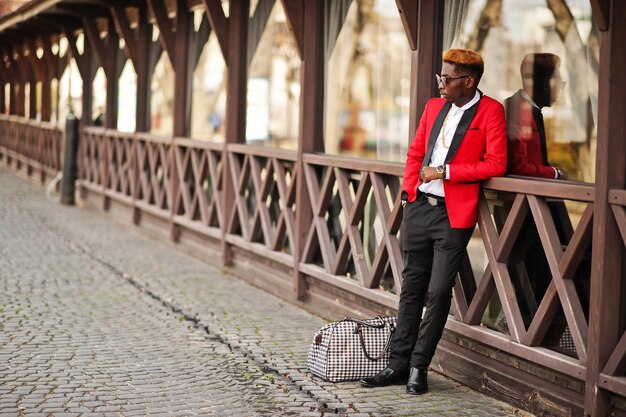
96, 319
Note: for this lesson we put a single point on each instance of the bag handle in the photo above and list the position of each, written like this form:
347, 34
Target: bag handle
382, 325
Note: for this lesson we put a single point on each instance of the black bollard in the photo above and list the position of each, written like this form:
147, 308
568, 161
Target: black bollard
70, 167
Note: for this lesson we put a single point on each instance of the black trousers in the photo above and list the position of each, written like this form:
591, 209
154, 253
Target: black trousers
432, 258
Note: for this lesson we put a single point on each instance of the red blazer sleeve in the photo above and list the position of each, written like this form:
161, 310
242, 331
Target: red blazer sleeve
493, 163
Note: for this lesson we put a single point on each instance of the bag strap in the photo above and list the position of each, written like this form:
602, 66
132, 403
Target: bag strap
382, 325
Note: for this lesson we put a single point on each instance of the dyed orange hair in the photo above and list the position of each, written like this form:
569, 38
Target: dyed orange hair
465, 59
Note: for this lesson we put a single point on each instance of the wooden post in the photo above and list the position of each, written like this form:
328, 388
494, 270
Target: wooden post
143, 71
236, 102
426, 60
180, 63
50, 73
2, 93
182, 100
87, 70
607, 280
311, 138
112, 71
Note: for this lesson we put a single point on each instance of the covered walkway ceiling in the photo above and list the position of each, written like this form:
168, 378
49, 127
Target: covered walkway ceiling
50, 17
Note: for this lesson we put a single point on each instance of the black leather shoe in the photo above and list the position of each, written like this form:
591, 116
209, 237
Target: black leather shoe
418, 381
385, 377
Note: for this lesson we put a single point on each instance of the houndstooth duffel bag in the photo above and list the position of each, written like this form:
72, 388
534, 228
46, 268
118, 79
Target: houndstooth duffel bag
351, 349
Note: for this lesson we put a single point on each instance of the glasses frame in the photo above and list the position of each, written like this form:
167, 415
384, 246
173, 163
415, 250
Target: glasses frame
443, 79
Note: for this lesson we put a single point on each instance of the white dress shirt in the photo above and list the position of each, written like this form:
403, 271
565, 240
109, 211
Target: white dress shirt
440, 151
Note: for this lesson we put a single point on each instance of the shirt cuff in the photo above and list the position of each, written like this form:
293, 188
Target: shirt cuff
556, 173
447, 172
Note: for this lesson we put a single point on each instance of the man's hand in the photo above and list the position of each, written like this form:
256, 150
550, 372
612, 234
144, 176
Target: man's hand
430, 174
562, 175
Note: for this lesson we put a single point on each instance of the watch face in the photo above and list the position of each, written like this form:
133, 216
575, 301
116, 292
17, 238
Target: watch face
440, 169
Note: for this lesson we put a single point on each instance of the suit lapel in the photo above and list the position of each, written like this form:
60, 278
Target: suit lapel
434, 133
466, 120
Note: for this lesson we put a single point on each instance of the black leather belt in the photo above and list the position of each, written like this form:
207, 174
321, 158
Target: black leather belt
433, 200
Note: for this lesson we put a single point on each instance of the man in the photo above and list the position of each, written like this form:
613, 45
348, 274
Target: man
460, 141
541, 85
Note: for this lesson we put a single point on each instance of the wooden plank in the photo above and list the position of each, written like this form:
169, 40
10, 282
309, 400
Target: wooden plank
481, 298
607, 281
617, 197
378, 296
511, 229
166, 27
354, 164
601, 11
408, 13
352, 229
122, 25
616, 365
620, 218
500, 272
543, 317
92, 34
613, 384
568, 296
567, 190
508, 378
542, 356
219, 24
264, 151
578, 244
426, 60
294, 10
261, 250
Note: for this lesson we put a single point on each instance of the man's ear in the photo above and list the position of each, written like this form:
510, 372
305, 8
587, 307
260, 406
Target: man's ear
470, 81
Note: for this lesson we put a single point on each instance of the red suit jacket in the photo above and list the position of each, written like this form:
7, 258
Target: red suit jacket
527, 139
478, 152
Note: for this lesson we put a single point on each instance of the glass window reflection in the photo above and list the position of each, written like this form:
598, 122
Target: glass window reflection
368, 82
505, 32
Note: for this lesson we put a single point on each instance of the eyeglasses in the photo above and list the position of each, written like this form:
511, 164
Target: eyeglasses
443, 79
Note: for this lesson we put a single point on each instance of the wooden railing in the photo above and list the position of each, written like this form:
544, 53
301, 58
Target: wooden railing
31, 146
353, 242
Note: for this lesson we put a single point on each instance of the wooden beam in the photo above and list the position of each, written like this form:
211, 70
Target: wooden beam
182, 71
144, 70
122, 25
408, 13
165, 25
426, 60
607, 278
601, 10
257, 24
93, 36
294, 10
219, 24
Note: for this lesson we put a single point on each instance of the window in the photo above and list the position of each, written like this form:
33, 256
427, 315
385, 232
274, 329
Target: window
273, 112
368, 81
505, 32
